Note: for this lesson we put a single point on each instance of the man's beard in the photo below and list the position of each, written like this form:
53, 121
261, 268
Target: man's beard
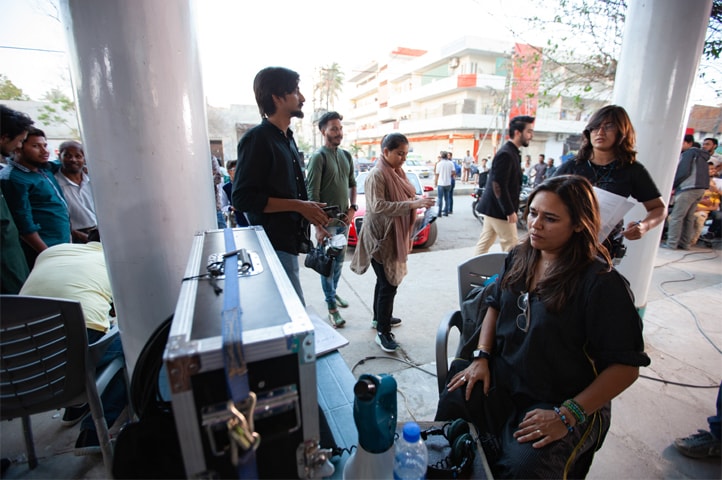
297, 113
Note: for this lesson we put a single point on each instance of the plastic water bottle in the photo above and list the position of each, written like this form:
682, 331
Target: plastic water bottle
411, 457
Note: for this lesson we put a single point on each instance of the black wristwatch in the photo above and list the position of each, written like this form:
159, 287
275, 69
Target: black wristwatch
355, 207
480, 354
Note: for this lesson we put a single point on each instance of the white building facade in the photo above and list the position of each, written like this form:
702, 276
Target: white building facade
460, 98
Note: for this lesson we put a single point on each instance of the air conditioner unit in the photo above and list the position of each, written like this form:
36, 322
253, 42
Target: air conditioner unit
561, 137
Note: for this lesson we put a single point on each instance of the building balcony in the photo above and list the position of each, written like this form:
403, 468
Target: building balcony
447, 86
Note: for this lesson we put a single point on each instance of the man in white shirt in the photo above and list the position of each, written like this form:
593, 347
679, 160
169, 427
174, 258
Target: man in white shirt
445, 171
75, 184
466, 167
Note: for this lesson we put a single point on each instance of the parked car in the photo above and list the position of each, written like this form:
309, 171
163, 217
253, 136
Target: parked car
424, 239
418, 167
364, 165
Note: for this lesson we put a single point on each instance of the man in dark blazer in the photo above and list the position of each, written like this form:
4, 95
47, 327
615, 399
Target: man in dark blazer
500, 201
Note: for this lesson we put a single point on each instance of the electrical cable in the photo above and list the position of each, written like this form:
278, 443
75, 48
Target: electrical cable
669, 382
406, 403
691, 277
411, 364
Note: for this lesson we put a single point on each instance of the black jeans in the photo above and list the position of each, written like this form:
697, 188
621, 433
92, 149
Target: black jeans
384, 294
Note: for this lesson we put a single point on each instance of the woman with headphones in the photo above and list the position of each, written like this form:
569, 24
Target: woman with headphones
560, 339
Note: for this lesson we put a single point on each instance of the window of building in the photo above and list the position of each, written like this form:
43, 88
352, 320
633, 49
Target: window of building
469, 68
449, 109
469, 106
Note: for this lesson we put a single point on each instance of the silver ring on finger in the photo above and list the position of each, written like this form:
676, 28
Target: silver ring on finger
540, 433
463, 378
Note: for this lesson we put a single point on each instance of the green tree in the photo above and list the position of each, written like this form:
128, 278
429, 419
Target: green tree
8, 90
581, 59
327, 86
58, 110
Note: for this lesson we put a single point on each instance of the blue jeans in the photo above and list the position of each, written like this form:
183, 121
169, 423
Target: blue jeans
330, 283
289, 262
115, 396
451, 195
444, 194
220, 219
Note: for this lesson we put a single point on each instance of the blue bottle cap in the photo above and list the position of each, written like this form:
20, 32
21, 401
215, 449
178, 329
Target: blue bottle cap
412, 432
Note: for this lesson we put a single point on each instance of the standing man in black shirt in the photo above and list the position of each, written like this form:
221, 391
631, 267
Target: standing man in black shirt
269, 185
500, 201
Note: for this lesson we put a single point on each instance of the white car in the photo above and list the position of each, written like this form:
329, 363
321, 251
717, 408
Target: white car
418, 167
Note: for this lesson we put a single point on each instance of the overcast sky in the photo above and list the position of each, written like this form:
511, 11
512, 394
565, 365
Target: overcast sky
238, 38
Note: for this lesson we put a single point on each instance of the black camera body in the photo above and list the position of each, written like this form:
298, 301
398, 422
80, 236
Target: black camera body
332, 211
318, 260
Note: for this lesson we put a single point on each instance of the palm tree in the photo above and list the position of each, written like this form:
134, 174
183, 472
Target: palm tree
328, 85
326, 88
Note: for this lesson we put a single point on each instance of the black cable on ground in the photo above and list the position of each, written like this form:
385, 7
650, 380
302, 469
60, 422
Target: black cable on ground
690, 278
669, 382
411, 364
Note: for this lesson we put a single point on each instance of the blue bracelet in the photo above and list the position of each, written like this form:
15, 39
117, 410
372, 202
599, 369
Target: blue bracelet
563, 418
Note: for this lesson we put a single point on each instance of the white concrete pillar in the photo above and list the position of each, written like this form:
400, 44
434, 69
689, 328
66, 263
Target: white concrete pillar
137, 82
661, 50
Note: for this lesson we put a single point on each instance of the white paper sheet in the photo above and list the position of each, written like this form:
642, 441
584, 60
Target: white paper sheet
327, 338
612, 209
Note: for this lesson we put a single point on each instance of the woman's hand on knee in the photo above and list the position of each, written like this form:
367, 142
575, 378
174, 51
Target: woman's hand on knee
541, 427
477, 371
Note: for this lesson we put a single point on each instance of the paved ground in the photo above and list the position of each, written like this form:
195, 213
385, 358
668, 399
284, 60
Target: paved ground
682, 322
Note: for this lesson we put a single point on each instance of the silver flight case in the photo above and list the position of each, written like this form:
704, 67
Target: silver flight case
278, 347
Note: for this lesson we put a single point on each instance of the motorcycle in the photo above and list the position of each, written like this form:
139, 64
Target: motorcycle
523, 199
476, 195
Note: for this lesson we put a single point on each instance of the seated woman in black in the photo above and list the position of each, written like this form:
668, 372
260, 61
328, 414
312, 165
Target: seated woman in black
560, 339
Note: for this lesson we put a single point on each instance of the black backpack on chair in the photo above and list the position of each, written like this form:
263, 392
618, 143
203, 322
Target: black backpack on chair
149, 447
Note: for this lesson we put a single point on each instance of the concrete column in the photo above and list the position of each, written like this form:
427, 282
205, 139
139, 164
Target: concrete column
661, 50
137, 82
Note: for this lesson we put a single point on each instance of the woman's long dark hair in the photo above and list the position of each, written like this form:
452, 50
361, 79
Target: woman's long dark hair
624, 150
562, 280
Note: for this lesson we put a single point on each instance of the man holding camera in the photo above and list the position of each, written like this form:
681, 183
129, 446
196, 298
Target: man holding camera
268, 186
330, 180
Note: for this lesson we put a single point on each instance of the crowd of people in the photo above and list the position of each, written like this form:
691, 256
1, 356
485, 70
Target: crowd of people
550, 413
50, 246
543, 425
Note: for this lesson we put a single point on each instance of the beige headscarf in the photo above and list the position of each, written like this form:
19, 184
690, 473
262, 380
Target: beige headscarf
400, 190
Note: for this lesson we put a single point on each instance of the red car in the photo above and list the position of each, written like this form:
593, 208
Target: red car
424, 239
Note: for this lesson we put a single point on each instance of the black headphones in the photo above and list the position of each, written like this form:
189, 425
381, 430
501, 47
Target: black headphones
461, 456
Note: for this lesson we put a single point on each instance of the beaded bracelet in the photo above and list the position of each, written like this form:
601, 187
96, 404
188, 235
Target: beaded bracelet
576, 410
564, 419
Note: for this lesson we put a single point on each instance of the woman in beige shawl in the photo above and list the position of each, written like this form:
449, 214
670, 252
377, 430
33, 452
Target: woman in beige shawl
386, 237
